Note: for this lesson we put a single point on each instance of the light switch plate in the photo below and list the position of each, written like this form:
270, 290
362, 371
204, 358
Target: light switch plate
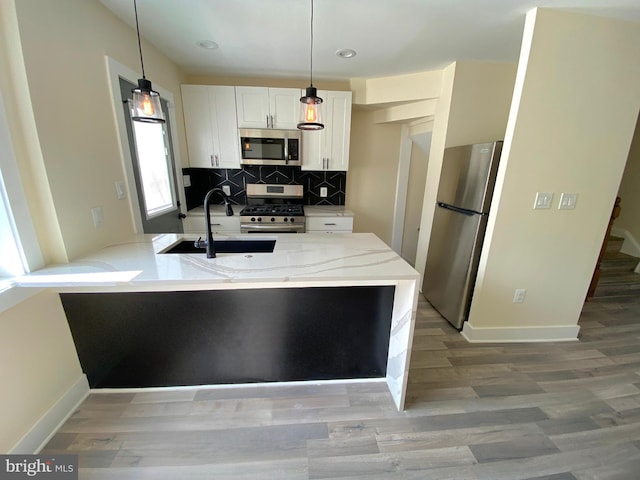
186, 180
323, 192
226, 189
98, 216
518, 295
567, 201
121, 192
543, 200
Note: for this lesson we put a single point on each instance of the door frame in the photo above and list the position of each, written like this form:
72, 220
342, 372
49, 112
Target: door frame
408, 133
116, 70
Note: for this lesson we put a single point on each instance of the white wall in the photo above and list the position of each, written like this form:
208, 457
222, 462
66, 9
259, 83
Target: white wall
371, 180
629, 219
65, 133
473, 107
38, 368
572, 118
415, 194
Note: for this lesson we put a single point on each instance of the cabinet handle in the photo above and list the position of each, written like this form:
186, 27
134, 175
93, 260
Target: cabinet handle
211, 160
329, 224
268, 122
217, 160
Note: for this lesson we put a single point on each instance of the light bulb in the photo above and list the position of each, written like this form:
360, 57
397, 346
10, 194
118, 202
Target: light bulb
311, 113
147, 106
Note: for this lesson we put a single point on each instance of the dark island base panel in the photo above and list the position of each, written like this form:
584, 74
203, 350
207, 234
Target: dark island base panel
151, 339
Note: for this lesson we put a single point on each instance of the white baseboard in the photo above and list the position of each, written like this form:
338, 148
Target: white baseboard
550, 333
630, 245
47, 425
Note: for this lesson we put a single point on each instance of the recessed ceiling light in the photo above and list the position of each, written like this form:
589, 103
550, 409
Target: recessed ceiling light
208, 44
346, 53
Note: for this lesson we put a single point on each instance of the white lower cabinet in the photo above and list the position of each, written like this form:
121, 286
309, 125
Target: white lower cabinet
220, 224
329, 224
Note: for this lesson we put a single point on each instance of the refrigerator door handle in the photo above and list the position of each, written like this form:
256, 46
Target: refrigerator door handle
463, 211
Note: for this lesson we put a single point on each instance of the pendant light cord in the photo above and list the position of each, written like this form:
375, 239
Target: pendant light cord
311, 56
135, 9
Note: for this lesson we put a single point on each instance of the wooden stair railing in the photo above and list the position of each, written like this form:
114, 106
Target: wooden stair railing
615, 212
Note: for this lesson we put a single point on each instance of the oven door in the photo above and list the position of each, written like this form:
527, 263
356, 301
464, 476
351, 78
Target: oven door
269, 228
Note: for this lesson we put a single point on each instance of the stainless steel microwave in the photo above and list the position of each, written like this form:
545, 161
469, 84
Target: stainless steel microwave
270, 147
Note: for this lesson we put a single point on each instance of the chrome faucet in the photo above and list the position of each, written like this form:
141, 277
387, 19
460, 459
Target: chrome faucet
208, 243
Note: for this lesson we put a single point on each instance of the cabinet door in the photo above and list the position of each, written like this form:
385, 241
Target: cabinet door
253, 107
197, 121
226, 143
337, 141
210, 124
225, 225
194, 224
284, 107
328, 149
329, 224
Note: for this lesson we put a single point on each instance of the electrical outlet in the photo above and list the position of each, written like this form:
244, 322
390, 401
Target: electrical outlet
226, 189
186, 180
518, 296
323, 192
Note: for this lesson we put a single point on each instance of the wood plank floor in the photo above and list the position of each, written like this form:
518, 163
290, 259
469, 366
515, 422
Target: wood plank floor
554, 411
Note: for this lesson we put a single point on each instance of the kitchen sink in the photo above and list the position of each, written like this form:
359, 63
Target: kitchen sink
226, 246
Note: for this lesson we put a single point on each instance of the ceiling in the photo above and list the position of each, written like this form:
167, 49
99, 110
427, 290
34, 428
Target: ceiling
271, 38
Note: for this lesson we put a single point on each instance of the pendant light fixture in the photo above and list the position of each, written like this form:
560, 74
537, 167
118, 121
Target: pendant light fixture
146, 101
310, 104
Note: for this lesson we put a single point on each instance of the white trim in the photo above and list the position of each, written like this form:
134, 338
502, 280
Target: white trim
115, 71
630, 245
47, 425
14, 295
547, 333
24, 231
402, 184
231, 386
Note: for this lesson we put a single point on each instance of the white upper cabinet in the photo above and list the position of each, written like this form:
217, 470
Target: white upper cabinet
210, 124
262, 107
328, 149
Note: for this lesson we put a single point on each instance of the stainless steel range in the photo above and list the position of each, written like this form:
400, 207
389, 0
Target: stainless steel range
273, 209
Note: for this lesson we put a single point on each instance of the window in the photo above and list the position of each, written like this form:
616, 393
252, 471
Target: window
155, 174
11, 263
18, 242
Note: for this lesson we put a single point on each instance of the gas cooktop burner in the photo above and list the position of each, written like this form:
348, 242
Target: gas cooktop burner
274, 209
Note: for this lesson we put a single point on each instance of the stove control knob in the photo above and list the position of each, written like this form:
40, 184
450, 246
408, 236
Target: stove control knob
286, 219
259, 219
273, 219
253, 219
292, 220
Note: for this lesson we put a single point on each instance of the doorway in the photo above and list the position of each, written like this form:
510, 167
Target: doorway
154, 169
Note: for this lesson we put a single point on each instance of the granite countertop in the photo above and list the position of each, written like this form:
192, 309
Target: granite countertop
303, 260
309, 210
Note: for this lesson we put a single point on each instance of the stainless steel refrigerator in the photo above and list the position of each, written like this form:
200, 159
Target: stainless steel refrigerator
463, 201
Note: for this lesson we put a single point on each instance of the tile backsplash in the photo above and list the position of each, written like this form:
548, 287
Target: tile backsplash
203, 179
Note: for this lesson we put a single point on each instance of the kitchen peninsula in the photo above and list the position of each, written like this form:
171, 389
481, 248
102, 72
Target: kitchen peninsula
318, 307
